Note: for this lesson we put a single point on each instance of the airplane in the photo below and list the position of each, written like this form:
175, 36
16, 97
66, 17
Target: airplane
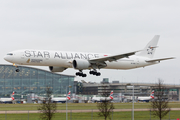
101, 99
61, 99
147, 99
58, 61
7, 100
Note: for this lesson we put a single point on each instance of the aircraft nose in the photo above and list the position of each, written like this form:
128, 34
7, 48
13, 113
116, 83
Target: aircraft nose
8, 58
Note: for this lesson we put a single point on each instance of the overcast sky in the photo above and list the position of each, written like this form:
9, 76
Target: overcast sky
102, 26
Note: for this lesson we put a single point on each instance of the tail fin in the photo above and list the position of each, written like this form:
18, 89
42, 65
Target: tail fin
13, 93
150, 48
111, 95
152, 95
12, 96
69, 95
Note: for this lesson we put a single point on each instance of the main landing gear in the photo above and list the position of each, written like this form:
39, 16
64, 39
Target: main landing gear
94, 72
80, 73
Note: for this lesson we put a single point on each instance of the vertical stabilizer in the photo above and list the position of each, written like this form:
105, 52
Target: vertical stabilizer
152, 95
12, 96
111, 95
150, 48
69, 95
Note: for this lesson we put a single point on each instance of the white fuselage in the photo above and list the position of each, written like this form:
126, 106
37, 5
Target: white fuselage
58, 99
64, 59
144, 98
99, 99
4, 100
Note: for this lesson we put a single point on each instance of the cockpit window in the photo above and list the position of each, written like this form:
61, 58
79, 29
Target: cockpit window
9, 54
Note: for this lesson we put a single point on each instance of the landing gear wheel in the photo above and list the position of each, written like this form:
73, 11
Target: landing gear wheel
95, 73
81, 74
84, 75
98, 74
17, 70
91, 72
77, 73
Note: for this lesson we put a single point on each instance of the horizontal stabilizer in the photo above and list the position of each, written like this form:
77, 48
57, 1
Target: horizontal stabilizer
154, 60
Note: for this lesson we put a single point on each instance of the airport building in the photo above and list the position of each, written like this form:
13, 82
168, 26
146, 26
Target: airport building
32, 80
124, 90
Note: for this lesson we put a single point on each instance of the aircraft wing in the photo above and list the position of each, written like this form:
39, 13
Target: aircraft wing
113, 57
154, 60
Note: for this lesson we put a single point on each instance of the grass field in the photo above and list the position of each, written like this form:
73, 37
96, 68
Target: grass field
139, 115
80, 106
89, 116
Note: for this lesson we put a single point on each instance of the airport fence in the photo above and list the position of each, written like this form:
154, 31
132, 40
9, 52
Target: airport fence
85, 115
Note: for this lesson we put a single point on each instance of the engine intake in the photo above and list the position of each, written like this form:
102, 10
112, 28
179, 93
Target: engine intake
81, 64
56, 69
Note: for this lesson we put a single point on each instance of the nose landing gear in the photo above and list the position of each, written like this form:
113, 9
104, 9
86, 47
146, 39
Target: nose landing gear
17, 69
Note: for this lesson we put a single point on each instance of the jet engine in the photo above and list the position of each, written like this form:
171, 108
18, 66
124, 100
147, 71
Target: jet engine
81, 64
56, 69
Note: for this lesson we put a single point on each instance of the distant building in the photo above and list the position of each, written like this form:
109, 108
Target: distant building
125, 89
105, 80
115, 81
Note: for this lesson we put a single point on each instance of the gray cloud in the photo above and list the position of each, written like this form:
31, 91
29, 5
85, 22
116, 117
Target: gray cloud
95, 26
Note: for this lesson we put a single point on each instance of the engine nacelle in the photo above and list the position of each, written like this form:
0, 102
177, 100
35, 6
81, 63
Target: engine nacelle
81, 64
56, 69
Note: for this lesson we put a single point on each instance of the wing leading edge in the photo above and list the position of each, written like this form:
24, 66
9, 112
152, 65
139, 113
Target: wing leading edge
113, 57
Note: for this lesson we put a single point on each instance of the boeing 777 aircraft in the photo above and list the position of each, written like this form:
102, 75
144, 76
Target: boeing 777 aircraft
58, 61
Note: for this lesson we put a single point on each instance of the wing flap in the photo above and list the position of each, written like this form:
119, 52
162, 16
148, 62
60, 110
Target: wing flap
113, 57
161, 59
